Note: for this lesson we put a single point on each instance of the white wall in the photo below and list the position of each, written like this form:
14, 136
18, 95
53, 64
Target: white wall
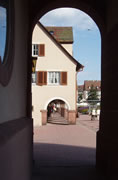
68, 47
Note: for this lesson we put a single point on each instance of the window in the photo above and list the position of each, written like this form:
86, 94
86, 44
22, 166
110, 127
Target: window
6, 40
52, 32
57, 78
33, 77
3, 34
35, 51
38, 50
53, 77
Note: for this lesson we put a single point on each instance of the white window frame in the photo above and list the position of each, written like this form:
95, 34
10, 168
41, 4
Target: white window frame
34, 78
53, 75
35, 50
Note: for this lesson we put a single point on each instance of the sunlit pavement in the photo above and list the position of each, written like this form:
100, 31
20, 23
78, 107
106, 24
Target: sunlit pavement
86, 121
65, 152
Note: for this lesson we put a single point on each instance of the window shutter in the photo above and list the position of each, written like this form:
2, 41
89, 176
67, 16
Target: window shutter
63, 78
41, 48
44, 77
41, 78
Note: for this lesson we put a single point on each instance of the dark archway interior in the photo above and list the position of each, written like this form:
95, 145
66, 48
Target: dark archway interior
57, 112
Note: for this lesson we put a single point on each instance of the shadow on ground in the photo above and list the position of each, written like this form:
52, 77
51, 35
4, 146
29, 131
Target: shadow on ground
61, 162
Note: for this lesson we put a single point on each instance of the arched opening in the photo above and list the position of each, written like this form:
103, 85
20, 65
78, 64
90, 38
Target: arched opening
56, 103
57, 112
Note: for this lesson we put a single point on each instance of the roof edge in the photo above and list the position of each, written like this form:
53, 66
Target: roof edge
79, 67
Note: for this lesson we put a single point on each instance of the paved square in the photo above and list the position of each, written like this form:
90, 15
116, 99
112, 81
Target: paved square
66, 151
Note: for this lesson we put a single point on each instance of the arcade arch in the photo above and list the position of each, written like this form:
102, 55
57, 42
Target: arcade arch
57, 98
52, 102
57, 112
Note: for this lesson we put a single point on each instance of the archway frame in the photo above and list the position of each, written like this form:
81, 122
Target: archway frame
56, 98
89, 9
85, 7
93, 9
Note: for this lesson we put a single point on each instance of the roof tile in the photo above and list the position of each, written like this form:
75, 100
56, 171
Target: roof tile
61, 34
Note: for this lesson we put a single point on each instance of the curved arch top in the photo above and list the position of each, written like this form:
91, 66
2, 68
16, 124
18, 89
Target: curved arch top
56, 98
92, 9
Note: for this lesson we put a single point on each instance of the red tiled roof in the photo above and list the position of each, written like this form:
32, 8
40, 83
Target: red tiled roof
80, 87
95, 84
61, 34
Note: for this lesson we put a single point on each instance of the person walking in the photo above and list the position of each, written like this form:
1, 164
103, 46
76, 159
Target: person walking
98, 114
93, 114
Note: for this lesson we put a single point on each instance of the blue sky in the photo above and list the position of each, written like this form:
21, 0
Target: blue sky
2, 30
87, 39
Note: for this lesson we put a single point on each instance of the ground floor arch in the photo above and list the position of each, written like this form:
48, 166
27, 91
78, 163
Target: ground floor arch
57, 112
58, 108
57, 98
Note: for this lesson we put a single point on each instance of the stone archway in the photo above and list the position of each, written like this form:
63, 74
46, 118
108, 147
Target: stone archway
105, 15
86, 9
57, 112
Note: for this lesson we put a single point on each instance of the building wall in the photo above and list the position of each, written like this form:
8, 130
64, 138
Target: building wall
15, 127
68, 47
54, 60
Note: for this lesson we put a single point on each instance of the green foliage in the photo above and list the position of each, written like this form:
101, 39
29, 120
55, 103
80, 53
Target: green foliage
92, 95
80, 97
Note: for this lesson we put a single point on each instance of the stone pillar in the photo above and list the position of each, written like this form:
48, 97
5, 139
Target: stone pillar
107, 137
62, 111
66, 113
72, 116
44, 117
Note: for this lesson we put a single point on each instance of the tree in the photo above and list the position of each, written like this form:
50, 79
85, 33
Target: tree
92, 95
80, 97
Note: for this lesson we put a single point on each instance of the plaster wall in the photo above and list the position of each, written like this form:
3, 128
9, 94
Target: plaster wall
15, 132
68, 47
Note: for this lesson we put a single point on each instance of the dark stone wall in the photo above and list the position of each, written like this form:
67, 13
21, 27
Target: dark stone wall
16, 143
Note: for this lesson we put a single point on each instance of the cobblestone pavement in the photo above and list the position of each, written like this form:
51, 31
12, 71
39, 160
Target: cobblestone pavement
66, 151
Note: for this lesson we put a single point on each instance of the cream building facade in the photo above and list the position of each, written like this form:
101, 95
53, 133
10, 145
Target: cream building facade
54, 75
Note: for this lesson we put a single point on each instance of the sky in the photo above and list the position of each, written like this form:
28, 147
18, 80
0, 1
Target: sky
87, 39
2, 31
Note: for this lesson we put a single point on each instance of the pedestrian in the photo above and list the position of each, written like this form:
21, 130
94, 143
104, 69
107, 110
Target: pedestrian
93, 114
98, 114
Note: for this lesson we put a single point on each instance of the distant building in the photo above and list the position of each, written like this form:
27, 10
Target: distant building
84, 89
